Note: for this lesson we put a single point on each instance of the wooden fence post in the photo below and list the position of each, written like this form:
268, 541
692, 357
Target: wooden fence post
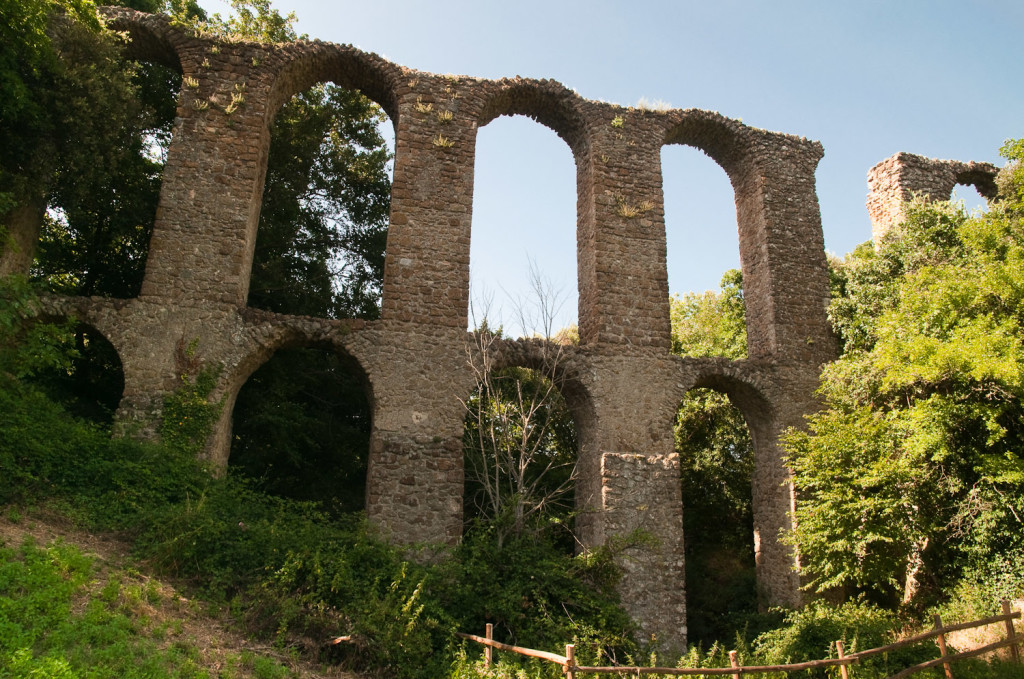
843, 669
942, 647
1010, 633
735, 663
489, 651
570, 661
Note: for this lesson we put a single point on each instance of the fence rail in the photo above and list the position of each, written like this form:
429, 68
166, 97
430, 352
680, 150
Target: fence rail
938, 632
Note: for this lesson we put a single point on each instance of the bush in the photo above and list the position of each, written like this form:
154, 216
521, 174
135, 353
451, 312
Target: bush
811, 633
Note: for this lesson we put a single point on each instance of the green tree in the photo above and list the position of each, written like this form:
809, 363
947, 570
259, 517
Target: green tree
69, 118
914, 470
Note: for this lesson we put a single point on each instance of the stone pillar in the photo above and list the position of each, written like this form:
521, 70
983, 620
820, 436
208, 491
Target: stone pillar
782, 250
205, 228
426, 272
415, 478
629, 487
623, 280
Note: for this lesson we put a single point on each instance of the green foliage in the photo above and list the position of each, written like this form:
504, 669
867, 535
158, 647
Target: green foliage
78, 140
28, 347
914, 471
534, 593
188, 414
55, 621
31, 75
711, 323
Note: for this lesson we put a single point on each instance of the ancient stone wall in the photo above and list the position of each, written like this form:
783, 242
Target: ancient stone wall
622, 385
897, 179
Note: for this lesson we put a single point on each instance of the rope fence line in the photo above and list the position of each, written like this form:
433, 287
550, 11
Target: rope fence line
571, 670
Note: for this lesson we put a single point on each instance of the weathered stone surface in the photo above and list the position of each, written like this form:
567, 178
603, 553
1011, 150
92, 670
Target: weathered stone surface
898, 178
621, 383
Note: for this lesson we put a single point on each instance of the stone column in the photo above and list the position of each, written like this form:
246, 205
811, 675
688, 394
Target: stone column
629, 488
623, 281
415, 478
205, 228
426, 272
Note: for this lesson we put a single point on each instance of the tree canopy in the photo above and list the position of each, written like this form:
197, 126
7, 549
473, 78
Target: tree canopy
913, 473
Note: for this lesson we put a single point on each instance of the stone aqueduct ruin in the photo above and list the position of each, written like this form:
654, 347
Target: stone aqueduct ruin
622, 384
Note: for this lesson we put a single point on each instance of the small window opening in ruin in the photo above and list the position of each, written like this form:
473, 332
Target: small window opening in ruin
301, 428
520, 447
969, 196
717, 464
325, 208
102, 203
91, 384
524, 229
703, 256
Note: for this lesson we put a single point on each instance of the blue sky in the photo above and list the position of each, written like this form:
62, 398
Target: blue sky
866, 79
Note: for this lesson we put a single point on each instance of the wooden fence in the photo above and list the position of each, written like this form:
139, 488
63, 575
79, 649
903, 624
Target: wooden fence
843, 661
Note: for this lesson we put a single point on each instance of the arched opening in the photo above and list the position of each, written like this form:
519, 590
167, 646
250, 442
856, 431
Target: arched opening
301, 428
324, 214
702, 243
520, 446
102, 202
716, 455
523, 248
970, 197
90, 384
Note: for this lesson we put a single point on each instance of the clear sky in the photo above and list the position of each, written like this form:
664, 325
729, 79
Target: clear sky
867, 79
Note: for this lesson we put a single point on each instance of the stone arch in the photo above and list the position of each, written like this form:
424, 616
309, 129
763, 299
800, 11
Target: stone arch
549, 103
307, 64
717, 459
722, 141
700, 216
302, 66
235, 376
151, 37
79, 311
771, 497
749, 397
780, 242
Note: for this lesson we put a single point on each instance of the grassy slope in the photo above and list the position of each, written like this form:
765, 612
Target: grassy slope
77, 602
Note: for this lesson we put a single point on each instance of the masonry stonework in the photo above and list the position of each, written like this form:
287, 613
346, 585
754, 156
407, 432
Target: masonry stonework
621, 382
897, 179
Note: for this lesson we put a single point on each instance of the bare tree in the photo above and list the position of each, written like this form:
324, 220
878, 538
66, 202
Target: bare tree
520, 442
